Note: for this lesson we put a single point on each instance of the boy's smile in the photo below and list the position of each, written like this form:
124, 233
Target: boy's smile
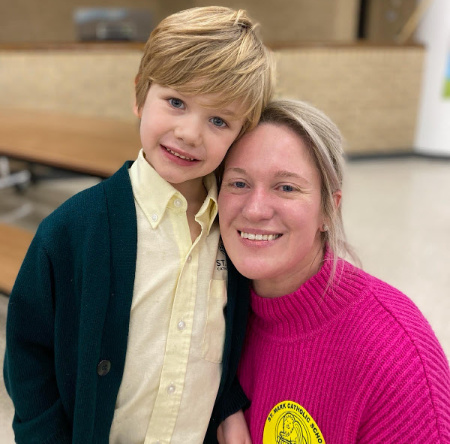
185, 137
179, 155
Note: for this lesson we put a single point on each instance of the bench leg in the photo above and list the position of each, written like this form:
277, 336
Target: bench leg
7, 179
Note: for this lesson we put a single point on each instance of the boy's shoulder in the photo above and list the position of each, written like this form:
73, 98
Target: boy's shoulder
85, 206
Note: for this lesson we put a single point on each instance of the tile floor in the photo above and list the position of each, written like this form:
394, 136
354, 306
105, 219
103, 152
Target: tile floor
397, 216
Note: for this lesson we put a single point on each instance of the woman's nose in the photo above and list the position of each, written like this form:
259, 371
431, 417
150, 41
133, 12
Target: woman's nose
258, 206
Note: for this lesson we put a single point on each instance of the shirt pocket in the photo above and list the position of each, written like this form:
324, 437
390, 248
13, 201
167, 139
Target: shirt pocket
214, 335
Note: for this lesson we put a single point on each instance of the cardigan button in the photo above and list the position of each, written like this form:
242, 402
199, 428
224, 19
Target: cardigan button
103, 367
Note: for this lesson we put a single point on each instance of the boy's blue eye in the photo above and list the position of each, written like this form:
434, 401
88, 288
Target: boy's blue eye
217, 121
176, 103
239, 184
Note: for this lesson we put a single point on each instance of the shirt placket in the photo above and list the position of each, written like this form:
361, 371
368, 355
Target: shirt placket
173, 373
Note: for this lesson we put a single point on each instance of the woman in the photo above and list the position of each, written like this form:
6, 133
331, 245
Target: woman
332, 354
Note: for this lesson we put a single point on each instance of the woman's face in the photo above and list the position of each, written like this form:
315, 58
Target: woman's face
270, 210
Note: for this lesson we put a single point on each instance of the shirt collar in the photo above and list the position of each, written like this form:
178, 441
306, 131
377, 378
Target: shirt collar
163, 195
208, 210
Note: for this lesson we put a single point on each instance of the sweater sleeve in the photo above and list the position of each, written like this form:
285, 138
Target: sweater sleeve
29, 367
412, 399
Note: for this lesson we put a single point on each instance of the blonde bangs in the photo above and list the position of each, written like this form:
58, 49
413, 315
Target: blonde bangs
210, 50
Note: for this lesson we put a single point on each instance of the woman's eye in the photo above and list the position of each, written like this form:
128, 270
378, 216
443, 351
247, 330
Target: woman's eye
217, 121
176, 103
287, 188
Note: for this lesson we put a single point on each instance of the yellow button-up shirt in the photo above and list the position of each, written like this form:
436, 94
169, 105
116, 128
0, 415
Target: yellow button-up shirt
177, 327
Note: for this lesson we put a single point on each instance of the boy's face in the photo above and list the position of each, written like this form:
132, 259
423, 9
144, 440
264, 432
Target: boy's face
185, 137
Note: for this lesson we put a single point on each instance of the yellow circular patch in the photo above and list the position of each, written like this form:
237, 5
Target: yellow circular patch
290, 423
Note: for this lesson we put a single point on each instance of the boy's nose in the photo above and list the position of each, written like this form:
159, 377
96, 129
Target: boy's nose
258, 206
189, 130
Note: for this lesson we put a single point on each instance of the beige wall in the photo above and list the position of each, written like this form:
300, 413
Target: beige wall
51, 20
300, 20
92, 83
281, 20
371, 92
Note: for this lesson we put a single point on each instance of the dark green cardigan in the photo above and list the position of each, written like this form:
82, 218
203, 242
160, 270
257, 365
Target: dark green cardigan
69, 310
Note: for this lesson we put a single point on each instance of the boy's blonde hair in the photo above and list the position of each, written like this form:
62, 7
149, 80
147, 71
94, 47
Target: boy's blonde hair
209, 50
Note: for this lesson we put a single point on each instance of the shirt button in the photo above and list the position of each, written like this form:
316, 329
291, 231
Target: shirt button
178, 203
154, 217
189, 258
181, 325
171, 389
103, 367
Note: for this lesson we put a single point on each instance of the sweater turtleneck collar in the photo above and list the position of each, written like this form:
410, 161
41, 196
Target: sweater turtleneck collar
312, 305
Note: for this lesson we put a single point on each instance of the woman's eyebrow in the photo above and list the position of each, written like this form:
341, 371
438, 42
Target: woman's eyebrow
280, 174
284, 174
236, 170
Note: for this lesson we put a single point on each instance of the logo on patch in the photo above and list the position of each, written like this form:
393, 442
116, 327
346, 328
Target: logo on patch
221, 264
290, 423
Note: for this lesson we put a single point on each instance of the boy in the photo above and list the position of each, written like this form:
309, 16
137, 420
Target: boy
116, 325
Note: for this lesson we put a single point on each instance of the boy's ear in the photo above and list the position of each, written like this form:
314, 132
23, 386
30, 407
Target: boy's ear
136, 111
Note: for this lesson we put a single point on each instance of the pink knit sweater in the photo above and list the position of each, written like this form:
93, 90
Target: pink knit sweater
357, 365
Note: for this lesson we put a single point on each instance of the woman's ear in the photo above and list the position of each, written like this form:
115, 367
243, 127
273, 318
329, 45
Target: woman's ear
337, 196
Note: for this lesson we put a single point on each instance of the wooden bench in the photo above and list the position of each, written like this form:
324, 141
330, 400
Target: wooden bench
87, 145
14, 243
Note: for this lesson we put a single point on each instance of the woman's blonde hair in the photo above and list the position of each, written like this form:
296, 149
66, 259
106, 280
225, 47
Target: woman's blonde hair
324, 142
209, 50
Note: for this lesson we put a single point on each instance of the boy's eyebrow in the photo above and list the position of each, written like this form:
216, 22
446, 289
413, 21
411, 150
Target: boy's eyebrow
226, 111
236, 170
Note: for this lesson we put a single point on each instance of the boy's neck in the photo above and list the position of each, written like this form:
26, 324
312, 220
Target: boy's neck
194, 192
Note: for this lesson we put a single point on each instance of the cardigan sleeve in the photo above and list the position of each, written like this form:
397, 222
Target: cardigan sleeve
230, 402
29, 367
231, 397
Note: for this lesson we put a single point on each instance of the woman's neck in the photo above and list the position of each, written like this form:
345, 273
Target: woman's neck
286, 284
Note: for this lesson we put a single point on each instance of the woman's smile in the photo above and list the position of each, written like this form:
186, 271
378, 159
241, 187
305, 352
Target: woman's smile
270, 208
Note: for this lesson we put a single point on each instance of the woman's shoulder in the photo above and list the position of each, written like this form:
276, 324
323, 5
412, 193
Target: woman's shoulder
396, 320
403, 357
395, 304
